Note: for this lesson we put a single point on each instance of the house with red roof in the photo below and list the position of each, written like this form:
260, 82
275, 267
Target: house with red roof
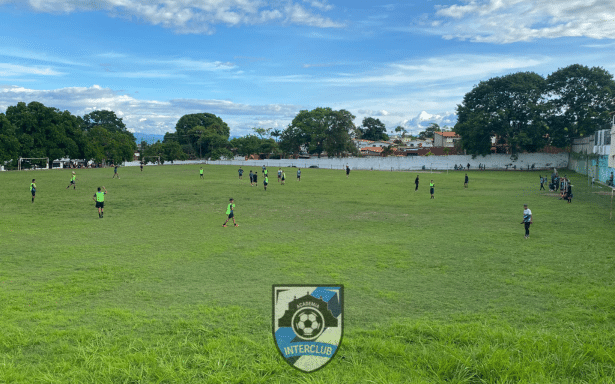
445, 139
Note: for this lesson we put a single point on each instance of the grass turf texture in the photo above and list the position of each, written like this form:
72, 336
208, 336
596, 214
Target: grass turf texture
443, 290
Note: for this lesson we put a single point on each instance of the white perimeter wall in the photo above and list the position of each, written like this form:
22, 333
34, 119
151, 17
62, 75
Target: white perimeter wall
497, 161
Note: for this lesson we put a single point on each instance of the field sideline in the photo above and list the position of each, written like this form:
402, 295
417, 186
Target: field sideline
443, 290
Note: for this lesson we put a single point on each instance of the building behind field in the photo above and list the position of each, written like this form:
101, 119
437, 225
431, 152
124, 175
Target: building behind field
595, 155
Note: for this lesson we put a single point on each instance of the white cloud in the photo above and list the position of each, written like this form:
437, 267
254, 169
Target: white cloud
508, 21
439, 70
319, 4
7, 70
151, 116
196, 16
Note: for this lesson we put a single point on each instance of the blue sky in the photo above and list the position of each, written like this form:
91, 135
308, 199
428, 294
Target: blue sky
257, 63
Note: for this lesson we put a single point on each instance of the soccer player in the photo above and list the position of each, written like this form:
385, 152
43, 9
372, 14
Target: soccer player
73, 181
240, 171
465, 183
283, 177
265, 182
416, 182
33, 189
230, 211
279, 174
141, 166
347, 171
265, 173
542, 183
201, 173
115, 172
527, 220
251, 178
255, 178
99, 198
299, 174
431, 188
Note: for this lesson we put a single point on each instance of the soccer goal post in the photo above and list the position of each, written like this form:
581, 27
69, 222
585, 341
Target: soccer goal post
152, 157
30, 160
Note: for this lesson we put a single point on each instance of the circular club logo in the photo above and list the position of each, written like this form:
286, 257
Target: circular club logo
308, 323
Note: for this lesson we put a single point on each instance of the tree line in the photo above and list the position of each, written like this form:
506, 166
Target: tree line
319, 131
34, 130
522, 111
525, 111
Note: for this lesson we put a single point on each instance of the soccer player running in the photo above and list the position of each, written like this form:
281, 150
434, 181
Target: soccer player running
115, 172
527, 220
255, 177
73, 181
33, 189
230, 211
240, 171
416, 182
201, 173
265, 182
431, 188
279, 174
465, 183
99, 198
347, 171
283, 177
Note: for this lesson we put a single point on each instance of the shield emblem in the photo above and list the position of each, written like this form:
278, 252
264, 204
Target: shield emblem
308, 323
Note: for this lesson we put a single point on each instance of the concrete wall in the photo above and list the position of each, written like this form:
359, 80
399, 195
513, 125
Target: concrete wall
598, 168
393, 163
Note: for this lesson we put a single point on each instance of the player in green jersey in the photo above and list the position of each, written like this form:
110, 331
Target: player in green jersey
73, 181
99, 198
201, 173
266, 182
33, 189
431, 188
230, 211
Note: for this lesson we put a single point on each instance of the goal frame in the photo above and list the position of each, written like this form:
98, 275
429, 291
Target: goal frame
21, 159
156, 157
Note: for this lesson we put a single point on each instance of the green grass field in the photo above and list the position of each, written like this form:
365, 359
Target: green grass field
443, 290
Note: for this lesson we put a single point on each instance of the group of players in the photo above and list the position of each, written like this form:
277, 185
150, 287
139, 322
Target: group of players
562, 184
230, 209
99, 196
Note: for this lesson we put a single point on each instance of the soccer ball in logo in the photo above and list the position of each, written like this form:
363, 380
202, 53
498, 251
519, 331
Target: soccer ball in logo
308, 323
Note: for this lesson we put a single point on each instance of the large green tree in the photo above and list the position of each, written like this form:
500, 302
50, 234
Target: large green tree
510, 108
580, 99
252, 144
320, 130
202, 135
109, 145
9, 145
373, 129
46, 132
